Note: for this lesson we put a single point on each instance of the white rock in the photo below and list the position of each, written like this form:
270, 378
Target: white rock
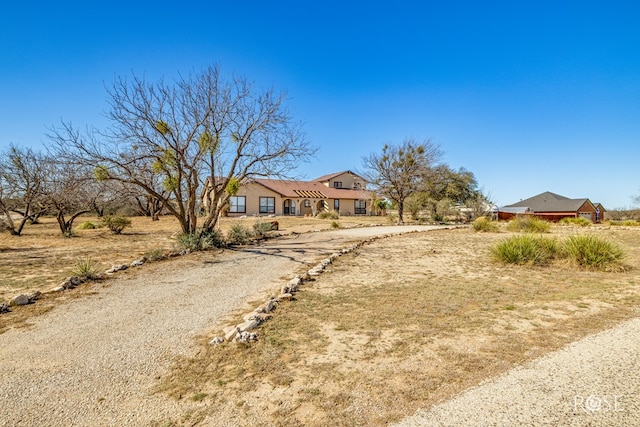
247, 325
21, 299
216, 340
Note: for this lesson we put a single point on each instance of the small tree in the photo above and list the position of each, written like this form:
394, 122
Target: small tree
399, 171
22, 175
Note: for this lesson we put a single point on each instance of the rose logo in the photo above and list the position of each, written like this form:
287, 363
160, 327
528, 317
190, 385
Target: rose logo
593, 403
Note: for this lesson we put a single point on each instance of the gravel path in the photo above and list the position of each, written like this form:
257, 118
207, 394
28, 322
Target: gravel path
95, 361
591, 382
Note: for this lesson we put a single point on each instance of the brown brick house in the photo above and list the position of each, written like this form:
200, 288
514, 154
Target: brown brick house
553, 207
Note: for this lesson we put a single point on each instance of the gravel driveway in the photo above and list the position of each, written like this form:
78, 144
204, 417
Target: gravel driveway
95, 361
591, 382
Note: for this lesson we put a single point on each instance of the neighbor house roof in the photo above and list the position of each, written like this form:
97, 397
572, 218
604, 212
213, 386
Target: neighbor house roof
310, 189
550, 202
327, 177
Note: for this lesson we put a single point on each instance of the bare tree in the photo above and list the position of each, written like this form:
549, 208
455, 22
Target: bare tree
399, 171
21, 180
65, 193
199, 129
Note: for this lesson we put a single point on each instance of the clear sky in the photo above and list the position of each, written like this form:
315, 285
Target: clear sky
530, 96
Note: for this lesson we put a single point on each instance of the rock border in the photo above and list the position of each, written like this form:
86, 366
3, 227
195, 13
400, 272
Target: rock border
240, 333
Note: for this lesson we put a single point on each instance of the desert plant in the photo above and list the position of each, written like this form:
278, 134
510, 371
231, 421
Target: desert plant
199, 241
154, 254
86, 225
525, 249
582, 222
87, 268
116, 223
328, 215
335, 224
239, 235
485, 225
593, 252
262, 229
528, 224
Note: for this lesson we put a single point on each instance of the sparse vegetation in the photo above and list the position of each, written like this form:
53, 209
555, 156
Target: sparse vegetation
239, 235
529, 224
582, 222
485, 225
335, 224
87, 268
116, 223
86, 225
626, 223
261, 229
328, 215
154, 254
199, 241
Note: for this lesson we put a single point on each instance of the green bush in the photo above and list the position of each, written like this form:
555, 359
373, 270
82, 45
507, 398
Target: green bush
593, 252
201, 241
582, 222
86, 225
328, 215
525, 249
154, 254
87, 268
485, 225
335, 224
528, 224
626, 223
116, 223
239, 235
262, 229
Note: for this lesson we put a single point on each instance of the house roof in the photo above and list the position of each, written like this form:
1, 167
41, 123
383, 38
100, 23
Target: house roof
327, 177
550, 202
310, 190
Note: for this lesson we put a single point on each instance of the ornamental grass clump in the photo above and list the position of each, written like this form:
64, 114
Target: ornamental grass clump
484, 225
87, 268
579, 221
528, 224
116, 223
593, 253
525, 249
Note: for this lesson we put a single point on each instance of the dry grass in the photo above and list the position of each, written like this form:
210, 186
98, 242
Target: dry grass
41, 258
402, 324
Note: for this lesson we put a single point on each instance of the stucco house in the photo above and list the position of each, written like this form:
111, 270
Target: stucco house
343, 192
553, 207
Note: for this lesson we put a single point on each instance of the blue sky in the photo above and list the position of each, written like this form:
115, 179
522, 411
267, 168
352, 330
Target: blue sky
529, 96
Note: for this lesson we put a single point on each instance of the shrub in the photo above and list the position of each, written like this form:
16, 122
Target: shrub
626, 223
485, 225
116, 223
239, 235
87, 268
528, 225
525, 249
86, 225
593, 252
328, 215
154, 254
335, 224
261, 229
199, 241
582, 222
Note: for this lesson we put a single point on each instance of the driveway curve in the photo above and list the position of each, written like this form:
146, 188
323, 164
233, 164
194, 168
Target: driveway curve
95, 361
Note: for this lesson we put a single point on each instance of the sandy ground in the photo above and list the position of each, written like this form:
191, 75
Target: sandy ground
95, 360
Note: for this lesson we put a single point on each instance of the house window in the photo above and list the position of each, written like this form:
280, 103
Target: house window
307, 203
337, 184
336, 205
267, 205
360, 207
289, 207
237, 204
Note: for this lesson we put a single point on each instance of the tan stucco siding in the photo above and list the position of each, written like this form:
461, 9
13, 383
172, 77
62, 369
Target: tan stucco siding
346, 180
252, 193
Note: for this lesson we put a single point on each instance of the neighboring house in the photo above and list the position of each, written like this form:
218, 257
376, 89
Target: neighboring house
553, 207
343, 192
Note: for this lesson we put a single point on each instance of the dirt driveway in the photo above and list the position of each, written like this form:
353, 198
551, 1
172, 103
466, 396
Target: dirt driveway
95, 361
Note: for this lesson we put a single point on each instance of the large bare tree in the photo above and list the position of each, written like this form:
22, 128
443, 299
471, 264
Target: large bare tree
197, 129
22, 175
400, 170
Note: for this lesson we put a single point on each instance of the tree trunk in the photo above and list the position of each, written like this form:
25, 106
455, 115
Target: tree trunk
400, 213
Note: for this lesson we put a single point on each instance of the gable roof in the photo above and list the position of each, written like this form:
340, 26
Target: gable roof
310, 189
327, 177
550, 202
